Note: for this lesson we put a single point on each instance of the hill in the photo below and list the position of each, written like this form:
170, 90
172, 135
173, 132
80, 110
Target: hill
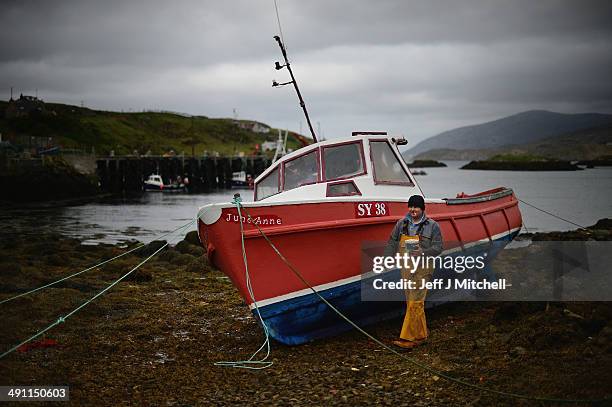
587, 144
157, 132
522, 128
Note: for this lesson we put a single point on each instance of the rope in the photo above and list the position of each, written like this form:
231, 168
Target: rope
63, 319
552, 214
92, 267
409, 359
250, 363
525, 225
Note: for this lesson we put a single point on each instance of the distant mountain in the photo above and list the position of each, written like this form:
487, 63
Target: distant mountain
587, 144
521, 128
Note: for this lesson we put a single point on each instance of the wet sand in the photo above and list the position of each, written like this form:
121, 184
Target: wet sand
154, 339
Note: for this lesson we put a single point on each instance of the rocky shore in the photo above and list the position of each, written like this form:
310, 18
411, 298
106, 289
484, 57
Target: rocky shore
425, 164
495, 165
154, 338
602, 162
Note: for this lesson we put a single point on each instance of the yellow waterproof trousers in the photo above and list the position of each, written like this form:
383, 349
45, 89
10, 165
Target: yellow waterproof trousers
415, 325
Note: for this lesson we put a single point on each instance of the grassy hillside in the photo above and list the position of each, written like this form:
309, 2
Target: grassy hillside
76, 127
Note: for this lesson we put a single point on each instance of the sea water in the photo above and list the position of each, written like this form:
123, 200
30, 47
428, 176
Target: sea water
580, 196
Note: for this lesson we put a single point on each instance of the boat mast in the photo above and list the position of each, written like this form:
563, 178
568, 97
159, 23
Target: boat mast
295, 85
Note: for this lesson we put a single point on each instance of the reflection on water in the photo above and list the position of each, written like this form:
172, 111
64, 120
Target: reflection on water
580, 196
114, 220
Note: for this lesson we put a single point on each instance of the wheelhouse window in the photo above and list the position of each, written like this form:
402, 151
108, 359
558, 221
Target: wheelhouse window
301, 171
342, 188
268, 186
343, 161
387, 168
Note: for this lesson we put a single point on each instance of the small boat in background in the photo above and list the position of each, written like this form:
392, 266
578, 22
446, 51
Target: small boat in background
242, 180
154, 183
175, 187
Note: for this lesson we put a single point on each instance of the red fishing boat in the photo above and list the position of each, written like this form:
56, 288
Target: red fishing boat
319, 205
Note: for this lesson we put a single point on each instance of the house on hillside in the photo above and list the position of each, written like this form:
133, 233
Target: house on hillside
24, 106
255, 127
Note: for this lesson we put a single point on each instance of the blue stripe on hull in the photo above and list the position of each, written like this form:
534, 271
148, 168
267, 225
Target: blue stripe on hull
305, 318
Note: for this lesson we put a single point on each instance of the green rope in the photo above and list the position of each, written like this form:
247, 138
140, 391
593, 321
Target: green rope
92, 267
62, 319
409, 359
250, 363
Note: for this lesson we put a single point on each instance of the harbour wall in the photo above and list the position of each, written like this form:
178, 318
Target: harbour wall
206, 174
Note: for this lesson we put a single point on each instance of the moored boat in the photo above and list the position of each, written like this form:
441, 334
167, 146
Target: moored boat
242, 180
154, 183
320, 206
174, 187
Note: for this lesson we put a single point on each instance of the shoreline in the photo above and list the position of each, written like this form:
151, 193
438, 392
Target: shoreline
497, 165
170, 321
55, 203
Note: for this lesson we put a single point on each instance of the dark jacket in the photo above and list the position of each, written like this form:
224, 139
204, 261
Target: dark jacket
429, 235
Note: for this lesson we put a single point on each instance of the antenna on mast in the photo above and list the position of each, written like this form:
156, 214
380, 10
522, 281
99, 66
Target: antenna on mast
278, 66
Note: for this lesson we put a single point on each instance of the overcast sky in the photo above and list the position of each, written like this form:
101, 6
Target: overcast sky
411, 68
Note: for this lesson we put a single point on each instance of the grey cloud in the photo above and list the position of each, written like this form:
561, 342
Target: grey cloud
132, 30
405, 66
485, 21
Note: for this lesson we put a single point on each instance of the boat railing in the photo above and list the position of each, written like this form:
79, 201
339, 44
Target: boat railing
480, 197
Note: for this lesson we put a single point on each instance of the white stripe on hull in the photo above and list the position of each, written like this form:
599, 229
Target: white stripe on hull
351, 279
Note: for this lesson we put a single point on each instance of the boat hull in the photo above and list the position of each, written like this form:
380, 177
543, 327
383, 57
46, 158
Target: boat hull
305, 318
173, 188
153, 187
325, 242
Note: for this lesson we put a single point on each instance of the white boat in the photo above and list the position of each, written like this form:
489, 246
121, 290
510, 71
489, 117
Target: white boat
154, 183
240, 179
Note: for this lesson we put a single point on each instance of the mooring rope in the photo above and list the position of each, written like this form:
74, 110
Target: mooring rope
63, 319
552, 214
409, 359
250, 363
95, 266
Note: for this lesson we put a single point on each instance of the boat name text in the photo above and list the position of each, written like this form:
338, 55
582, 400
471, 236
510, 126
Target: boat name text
371, 209
256, 220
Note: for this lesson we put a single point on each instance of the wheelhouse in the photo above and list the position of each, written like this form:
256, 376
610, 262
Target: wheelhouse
157, 179
362, 165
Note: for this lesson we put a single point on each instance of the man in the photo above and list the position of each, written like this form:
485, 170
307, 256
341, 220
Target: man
418, 235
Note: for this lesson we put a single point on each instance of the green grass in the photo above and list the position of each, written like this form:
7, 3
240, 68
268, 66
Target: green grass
76, 127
